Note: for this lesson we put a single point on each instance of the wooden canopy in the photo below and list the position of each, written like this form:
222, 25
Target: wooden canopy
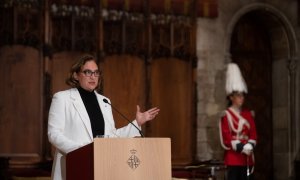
198, 8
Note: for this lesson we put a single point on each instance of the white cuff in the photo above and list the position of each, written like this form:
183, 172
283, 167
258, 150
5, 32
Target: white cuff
234, 143
252, 141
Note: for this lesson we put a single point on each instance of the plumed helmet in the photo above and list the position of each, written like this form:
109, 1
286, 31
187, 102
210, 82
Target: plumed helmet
234, 80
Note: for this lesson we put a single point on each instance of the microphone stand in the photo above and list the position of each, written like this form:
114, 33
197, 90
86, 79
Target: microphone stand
106, 101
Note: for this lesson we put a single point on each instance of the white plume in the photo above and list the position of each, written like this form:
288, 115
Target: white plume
234, 80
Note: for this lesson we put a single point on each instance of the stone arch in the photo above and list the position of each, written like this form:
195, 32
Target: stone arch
280, 26
268, 9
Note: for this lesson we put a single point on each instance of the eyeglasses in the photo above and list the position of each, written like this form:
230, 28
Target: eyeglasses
89, 73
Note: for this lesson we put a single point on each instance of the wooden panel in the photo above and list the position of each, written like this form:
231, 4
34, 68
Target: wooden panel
61, 65
132, 159
171, 91
20, 102
80, 163
124, 83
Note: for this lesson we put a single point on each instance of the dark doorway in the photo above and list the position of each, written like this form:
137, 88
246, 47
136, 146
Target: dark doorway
251, 50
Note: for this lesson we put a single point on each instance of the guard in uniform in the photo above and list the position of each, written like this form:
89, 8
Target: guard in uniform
237, 129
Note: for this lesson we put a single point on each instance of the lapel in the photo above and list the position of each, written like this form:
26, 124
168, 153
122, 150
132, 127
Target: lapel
80, 108
105, 112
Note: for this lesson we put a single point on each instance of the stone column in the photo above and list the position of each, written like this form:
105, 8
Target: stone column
293, 121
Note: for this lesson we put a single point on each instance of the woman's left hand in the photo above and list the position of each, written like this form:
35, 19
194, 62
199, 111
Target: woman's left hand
142, 117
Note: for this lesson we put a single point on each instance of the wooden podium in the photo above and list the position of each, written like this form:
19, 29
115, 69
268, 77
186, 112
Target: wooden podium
121, 159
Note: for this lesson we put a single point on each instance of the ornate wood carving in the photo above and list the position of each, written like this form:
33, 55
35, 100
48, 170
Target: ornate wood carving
73, 27
135, 39
112, 37
184, 42
20, 105
85, 35
173, 40
6, 26
21, 23
28, 30
61, 34
202, 8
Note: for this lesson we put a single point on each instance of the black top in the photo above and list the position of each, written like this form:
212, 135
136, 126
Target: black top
93, 109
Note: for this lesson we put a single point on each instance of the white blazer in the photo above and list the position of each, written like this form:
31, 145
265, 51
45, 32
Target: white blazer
69, 126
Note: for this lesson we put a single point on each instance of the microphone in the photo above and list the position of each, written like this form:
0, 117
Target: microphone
106, 101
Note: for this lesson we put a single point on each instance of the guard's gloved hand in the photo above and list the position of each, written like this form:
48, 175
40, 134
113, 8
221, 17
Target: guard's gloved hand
247, 149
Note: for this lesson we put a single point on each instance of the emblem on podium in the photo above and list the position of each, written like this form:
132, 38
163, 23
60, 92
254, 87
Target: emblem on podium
133, 161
